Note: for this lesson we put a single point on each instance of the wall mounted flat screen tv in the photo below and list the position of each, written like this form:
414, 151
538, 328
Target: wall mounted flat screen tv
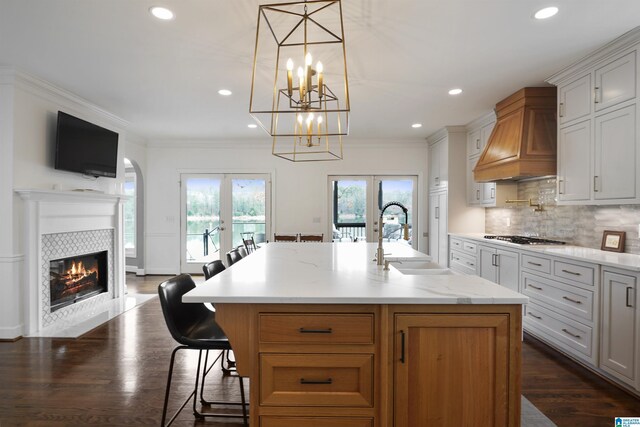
85, 148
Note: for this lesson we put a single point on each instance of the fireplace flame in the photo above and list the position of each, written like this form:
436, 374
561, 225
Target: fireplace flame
78, 271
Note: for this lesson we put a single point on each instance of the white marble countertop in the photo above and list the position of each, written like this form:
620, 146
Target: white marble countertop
578, 253
341, 273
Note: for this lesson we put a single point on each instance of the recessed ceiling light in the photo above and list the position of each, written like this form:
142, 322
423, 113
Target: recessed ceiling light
545, 13
416, 125
252, 126
456, 91
161, 13
224, 92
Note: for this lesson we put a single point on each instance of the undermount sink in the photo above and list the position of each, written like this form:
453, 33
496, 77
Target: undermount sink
420, 268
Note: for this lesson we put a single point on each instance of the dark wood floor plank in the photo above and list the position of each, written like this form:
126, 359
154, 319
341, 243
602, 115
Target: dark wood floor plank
115, 375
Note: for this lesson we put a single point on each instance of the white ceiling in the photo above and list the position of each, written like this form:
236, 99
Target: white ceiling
403, 57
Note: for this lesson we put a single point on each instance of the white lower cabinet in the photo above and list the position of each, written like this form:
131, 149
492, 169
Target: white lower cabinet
499, 266
438, 248
619, 338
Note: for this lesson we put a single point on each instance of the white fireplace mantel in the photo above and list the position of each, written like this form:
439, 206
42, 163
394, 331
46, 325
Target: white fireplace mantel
50, 212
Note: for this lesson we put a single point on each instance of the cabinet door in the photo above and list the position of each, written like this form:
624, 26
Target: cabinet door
574, 162
615, 82
434, 229
438, 165
574, 99
474, 145
451, 370
487, 263
619, 323
615, 155
474, 189
485, 134
489, 193
443, 241
508, 269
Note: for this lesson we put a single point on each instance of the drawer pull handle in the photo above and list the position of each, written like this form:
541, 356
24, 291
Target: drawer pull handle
533, 315
535, 287
572, 300
327, 381
534, 263
628, 301
571, 272
569, 333
401, 346
315, 331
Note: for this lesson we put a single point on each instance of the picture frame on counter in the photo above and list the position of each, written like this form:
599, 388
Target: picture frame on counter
613, 241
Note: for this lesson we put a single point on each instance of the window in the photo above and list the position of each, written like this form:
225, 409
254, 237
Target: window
130, 210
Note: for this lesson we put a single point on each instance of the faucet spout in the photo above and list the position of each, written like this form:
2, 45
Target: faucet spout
380, 250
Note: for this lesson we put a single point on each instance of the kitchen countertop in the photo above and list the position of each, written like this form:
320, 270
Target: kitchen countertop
341, 273
578, 253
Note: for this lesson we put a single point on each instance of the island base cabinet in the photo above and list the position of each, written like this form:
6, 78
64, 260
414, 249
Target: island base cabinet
452, 370
314, 422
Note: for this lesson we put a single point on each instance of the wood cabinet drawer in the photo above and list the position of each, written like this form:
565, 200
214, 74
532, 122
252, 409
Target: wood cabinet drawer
316, 328
572, 336
536, 263
316, 380
462, 263
572, 301
315, 422
574, 272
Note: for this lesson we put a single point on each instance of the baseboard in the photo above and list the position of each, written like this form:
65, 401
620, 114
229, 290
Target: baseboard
135, 269
11, 333
161, 271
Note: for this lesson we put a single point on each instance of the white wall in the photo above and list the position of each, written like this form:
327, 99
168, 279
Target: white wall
28, 114
299, 191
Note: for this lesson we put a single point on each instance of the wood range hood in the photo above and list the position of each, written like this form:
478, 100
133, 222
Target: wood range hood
523, 142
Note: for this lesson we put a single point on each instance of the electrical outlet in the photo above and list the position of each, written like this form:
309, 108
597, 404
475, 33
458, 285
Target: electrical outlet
508, 222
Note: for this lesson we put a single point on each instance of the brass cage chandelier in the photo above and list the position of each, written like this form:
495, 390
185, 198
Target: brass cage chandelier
299, 85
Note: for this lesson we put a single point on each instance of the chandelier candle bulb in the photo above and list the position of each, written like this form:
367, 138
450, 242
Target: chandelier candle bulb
319, 126
301, 82
290, 77
308, 60
319, 68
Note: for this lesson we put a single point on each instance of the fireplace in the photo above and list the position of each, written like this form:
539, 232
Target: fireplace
77, 278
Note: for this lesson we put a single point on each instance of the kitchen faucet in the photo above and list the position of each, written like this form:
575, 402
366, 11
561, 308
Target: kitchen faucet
380, 251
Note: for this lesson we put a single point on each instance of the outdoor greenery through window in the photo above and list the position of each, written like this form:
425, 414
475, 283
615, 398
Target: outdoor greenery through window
130, 210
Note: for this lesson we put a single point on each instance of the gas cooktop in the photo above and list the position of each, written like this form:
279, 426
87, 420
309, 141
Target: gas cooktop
524, 240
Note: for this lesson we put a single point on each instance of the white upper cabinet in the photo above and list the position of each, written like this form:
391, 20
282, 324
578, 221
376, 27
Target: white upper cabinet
479, 194
615, 82
598, 153
574, 100
615, 155
574, 160
438, 165
474, 143
474, 189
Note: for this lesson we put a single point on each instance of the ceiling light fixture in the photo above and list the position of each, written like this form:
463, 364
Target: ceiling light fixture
545, 13
161, 13
456, 91
299, 86
225, 92
416, 125
252, 126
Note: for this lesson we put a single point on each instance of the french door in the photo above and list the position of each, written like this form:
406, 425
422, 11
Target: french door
355, 203
217, 210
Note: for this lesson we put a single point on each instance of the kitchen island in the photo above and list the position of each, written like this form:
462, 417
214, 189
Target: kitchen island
329, 338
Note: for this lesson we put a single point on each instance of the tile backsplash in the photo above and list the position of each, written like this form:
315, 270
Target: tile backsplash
577, 225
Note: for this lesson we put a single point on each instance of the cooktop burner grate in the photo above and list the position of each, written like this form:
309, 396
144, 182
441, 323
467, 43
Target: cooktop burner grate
525, 240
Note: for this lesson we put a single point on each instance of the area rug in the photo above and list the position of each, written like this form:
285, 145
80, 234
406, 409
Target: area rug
532, 417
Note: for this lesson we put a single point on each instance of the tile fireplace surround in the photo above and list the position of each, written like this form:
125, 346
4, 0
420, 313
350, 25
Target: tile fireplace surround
59, 224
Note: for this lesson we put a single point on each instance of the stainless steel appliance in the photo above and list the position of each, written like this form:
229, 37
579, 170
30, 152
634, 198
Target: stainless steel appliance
525, 240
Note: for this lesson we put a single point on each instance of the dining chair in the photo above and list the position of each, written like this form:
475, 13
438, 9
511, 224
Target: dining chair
193, 327
285, 238
311, 237
233, 256
212, 268
249, 244
242, 251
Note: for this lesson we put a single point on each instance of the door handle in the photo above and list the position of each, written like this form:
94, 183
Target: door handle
401, 346
222, 228
327, 381
569, 333
629, 304
535, 287
315, 331
437, 212
497, 264
493, 192
561, 109
595, 184
572, 300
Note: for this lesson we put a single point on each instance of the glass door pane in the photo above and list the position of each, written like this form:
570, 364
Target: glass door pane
396, 189
201, 225
349, 204
248, 209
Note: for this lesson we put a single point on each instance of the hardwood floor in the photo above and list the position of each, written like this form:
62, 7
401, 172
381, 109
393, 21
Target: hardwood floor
116, 374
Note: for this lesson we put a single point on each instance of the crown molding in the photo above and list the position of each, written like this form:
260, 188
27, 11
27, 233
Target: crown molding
266, 144
50, 92
625, 41
481, 121
445, 131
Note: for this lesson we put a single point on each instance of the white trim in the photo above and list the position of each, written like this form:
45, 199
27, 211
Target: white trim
11, 333
11, 259
266, 143
70, 196
445, 131
481, 121
135, 269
